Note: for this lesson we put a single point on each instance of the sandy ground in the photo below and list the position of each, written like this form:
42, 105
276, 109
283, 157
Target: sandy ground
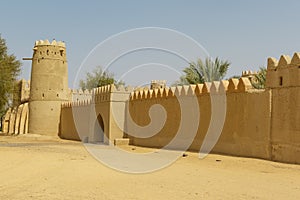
46, 168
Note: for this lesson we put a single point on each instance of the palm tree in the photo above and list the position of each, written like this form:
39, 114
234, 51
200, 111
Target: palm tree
206, 72
259, 79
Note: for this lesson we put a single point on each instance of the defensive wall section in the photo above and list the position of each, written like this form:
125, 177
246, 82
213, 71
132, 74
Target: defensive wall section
283, 79
15, 121
247, 121
258, 123
91, 120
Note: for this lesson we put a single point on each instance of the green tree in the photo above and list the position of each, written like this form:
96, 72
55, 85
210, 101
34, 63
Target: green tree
208, 71
259, 80
9, 71
98, 78
236, 76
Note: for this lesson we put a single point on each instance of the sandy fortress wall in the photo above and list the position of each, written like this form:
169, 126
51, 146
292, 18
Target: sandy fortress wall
259, 123
247, 123
283, 79
80, 95
15, 121
92, 120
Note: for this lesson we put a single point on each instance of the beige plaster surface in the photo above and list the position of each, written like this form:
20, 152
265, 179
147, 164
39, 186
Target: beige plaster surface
43, 167
246, 131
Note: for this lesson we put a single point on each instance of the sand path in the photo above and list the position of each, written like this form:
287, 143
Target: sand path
47, 168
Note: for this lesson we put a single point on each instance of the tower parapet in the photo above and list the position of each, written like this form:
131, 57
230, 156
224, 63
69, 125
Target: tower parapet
47, 43
283, 73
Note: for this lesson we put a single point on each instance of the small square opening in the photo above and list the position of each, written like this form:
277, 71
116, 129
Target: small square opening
280, 80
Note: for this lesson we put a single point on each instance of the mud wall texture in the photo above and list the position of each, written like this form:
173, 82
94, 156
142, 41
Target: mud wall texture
246, 130
283, 79
92, 120
15, 121
258, 123
285, 127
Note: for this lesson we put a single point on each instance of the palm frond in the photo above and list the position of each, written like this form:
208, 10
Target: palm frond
207, 71
259, 80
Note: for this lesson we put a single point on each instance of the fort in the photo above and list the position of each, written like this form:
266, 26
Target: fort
259, 123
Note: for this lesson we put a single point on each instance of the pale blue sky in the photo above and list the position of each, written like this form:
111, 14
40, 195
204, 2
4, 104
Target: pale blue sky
243, 32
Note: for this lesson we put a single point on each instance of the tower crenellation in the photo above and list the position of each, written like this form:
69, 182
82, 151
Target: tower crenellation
284, 72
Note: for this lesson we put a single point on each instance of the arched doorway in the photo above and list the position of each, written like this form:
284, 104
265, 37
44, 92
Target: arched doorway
99, 129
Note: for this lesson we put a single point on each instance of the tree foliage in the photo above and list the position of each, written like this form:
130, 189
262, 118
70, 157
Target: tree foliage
259, 80
200, 72
235, 76
9, 71
98, 78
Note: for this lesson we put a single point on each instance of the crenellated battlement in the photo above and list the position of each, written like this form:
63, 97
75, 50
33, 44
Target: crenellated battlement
80, 95
216, 87
101, 94
43, 51
76, 103
284, 72
80, 91
111, 93
47, 43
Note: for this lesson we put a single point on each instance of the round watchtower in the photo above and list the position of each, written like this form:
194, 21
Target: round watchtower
48, 88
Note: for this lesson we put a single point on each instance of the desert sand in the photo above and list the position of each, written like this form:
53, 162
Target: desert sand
39, 167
